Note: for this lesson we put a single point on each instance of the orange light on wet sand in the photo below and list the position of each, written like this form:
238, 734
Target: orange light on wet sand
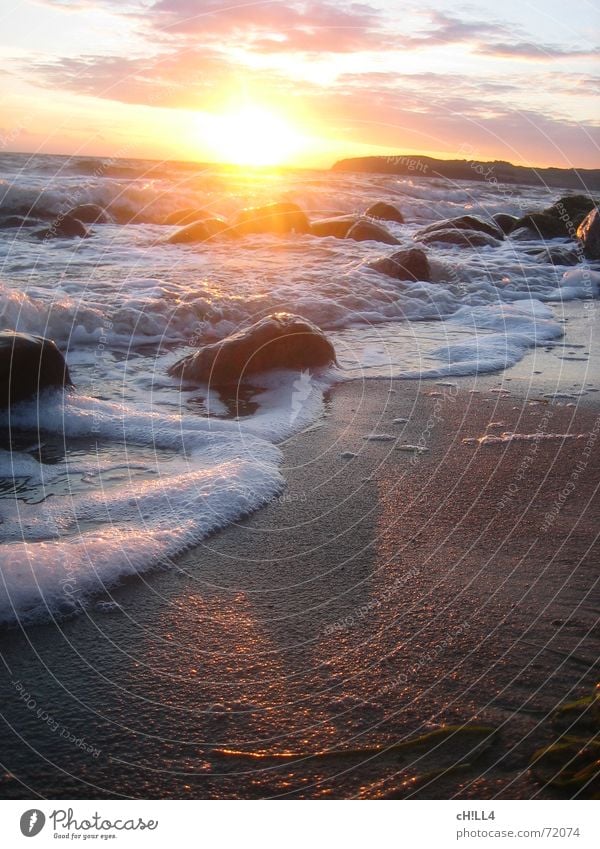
254, 136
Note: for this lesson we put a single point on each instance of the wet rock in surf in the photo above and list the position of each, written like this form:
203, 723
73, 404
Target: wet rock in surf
367, 231
505, 221
12, 221
337, 227
90, 213
464, 222
463, 238
276, 218
200, 231
188, 216
523, 234
411, 264
64, 227
588, 234
541, 225
278, 341
571, 210
28, 365
557, 255
385, 212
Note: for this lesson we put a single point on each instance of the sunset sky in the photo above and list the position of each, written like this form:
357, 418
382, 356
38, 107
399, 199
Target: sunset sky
189, 79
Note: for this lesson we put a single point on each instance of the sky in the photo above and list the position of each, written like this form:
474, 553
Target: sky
302, 82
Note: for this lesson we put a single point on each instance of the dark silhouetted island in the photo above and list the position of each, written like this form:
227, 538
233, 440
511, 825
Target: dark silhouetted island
495, 173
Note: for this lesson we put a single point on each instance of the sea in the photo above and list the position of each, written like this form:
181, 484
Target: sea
127, 471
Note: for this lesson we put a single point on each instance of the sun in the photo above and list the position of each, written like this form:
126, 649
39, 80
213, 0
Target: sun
254, 136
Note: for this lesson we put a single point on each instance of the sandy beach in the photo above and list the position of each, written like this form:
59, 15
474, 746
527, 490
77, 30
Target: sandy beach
387, 593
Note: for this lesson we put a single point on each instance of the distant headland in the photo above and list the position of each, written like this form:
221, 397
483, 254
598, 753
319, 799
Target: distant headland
495, 173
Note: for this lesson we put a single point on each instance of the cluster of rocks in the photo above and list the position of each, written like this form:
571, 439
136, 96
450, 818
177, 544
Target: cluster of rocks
282, 218
64, 225
29, 364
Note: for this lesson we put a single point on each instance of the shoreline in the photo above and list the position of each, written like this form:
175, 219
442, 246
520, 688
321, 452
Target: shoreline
348, 612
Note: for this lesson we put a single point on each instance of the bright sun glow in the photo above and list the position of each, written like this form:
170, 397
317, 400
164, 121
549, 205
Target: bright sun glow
254, 136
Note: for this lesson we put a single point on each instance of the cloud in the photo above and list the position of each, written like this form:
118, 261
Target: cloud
188, 79
535, 52
273, 26
172, 80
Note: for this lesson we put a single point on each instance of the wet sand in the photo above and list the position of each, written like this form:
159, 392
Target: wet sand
383, 595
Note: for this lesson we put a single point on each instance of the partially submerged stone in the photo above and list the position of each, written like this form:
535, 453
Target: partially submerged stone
200, 231
385, 212
464, 222
64, 227
542, 225
368, 231
463, 238
505, 221
275, 218
277, 341
28, 365
588, 234
337, 227
90, 213
411, 264
188, 216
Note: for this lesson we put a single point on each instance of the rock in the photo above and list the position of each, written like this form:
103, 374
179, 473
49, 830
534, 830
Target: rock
543, 226
523, 234
557, 255
276, 218
588, 234
367, 231
12, 221
464, 238
411, 264
385, 212
278, 341
90, 213
464, 222
188, 216
571, 210
337, 227
201, 231
29, 364
505, 221
64, 227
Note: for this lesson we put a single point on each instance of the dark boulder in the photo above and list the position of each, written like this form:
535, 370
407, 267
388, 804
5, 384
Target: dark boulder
411, 264
28, 365
337, 227
505, 221
276, 218
464, 238
201, 231
464, 222
571, 210
90, 213
367, 231
556, 254
588, 234
542, 225
278, 341
12, 221
64, 227
523, 234
385, 212
187, 216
